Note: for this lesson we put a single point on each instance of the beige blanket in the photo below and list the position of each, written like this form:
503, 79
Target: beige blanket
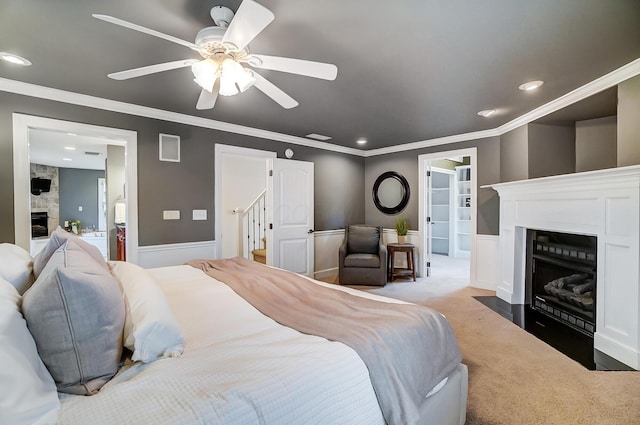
407, 348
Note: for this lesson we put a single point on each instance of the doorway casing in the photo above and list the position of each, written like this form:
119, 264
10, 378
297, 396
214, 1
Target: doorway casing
21, 172
422, 161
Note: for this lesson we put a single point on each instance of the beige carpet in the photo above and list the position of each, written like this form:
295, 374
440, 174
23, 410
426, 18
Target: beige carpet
514, 378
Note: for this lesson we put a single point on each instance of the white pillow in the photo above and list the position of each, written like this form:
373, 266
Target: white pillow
28, 394
150, 329
16, 266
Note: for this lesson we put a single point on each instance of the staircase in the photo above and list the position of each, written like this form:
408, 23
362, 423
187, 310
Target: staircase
252, 230
260, 255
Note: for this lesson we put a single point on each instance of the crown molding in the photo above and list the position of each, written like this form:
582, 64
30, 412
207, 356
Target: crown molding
43, 92
611, 79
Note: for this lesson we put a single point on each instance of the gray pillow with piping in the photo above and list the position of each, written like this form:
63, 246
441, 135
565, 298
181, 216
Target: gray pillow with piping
75, 312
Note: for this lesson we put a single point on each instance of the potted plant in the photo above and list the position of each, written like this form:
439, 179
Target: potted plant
402, 227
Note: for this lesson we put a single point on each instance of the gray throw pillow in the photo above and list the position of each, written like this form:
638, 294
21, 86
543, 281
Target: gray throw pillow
58, 237
75, 312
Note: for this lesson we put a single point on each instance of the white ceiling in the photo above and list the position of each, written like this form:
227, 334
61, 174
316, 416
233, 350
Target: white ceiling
408, 71
53, 148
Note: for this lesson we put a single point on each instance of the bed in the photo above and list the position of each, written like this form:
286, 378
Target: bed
223, 362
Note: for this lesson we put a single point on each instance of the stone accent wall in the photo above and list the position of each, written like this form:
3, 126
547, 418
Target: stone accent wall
47, 201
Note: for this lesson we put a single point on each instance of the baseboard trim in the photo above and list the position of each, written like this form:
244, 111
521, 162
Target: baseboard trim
321, 274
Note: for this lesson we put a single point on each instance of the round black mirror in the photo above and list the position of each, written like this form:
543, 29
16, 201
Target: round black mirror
391, 192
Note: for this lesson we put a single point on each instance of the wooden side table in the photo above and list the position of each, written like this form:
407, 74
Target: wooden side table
410, 270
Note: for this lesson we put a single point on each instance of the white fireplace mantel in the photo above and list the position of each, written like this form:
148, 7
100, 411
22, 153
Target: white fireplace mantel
603, 203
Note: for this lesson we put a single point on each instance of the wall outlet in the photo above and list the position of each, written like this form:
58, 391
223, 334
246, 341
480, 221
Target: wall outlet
171, 215
199, 214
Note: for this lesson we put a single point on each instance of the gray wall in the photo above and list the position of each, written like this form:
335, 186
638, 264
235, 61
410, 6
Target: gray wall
552, 150
79, 187
596, 147
629, 122
189, 183
514, 155
406, 163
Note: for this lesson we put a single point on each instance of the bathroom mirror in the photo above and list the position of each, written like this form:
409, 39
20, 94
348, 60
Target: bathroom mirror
391, 192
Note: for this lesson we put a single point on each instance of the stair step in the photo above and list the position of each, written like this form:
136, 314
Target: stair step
260, 255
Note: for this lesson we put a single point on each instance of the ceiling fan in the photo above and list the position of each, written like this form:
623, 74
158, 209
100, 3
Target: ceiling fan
224, 50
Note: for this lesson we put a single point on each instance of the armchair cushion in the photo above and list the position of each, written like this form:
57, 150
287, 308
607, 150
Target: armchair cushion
362, 260
363, 239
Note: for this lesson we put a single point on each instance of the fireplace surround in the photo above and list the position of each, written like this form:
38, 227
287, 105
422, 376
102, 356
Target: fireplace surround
604, 204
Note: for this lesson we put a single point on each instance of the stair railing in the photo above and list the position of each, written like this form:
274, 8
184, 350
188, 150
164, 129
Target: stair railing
252, 226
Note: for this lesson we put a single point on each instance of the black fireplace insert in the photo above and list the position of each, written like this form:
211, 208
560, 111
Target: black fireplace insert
562, 278
39, 224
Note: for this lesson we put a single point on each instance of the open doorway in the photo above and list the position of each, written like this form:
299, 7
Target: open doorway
285, 216
25, 127
447, 213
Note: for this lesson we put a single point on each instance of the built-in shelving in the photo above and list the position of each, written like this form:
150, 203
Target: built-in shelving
462, 238
442, 191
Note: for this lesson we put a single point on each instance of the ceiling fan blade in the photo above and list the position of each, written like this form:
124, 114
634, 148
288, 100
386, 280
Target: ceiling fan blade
250, 19
268, 88
139, 28
151, 69
207, 100
326, 71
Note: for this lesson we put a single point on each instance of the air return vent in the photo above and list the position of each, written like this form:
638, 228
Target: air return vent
169, 148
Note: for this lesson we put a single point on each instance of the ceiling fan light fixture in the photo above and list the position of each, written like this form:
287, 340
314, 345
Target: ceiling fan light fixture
234, 78
205, 73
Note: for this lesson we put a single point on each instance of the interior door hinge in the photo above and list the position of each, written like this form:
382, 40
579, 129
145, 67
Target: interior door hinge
428, 219
270, 173
270, 226
428, 263
428, 173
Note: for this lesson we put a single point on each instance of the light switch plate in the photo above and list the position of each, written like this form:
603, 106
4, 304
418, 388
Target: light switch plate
171, 215
199, 214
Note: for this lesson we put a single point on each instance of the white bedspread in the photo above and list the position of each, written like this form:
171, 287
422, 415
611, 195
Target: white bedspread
238, 367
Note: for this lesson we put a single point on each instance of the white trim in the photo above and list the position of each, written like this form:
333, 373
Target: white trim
175, 254
323, 233
487, 262
326, 245
21, 172
609, 80
57, 95
472, 153
220, 151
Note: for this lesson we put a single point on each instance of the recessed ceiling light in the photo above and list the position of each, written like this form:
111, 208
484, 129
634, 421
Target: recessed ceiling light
70, 148
361, 141
487, 113
318, 137
67, 159
71, 134
531, 85
14, 59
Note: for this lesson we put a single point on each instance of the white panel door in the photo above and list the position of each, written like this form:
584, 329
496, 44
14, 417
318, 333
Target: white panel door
293, 245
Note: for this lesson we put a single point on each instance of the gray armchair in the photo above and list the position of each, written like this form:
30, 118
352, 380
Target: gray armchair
362, 257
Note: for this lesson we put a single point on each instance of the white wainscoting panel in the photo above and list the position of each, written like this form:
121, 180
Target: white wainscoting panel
327, 243
175, 254
487, 262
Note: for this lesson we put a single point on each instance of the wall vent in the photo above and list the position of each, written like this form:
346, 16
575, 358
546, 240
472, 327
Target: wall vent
169, 148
